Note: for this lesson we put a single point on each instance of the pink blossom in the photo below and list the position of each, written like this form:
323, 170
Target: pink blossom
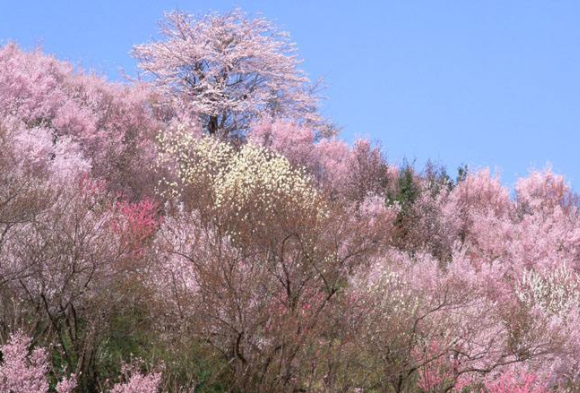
136, 382
21, 371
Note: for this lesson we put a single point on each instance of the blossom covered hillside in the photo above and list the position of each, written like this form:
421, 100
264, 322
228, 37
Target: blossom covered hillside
205, 230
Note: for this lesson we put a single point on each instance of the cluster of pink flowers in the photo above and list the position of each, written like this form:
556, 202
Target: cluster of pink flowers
22, 371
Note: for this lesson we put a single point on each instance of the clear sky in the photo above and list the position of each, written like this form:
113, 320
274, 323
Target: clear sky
487, 83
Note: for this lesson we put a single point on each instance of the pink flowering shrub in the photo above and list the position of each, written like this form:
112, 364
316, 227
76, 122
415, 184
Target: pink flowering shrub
353, 172
136, 382
22, 371
136, 223
511, 382
112, 125
439, 372
293, 141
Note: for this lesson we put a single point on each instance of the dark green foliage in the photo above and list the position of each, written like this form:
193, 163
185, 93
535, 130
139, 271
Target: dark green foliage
408, 189
462, 172
437, 179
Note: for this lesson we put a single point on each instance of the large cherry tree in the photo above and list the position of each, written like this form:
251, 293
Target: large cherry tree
228, 70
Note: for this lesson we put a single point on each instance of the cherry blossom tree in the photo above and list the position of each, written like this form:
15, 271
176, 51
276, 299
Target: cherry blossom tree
22, 371
111, 124
137, 382
229, 70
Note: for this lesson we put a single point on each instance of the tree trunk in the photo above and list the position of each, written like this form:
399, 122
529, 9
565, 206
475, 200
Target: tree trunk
212, 125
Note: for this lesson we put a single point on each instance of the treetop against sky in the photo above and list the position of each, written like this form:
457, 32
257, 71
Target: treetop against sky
491, 84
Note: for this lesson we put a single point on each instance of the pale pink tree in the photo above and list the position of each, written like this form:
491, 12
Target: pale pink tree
24, 371
136, 381
111, 124
351, 172
294, 141
229, 70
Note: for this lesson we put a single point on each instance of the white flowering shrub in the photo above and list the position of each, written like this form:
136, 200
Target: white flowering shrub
556, 292
193, 161
389, 288
260, 185
252, 188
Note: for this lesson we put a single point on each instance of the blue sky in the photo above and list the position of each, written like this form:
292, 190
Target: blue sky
487, 83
